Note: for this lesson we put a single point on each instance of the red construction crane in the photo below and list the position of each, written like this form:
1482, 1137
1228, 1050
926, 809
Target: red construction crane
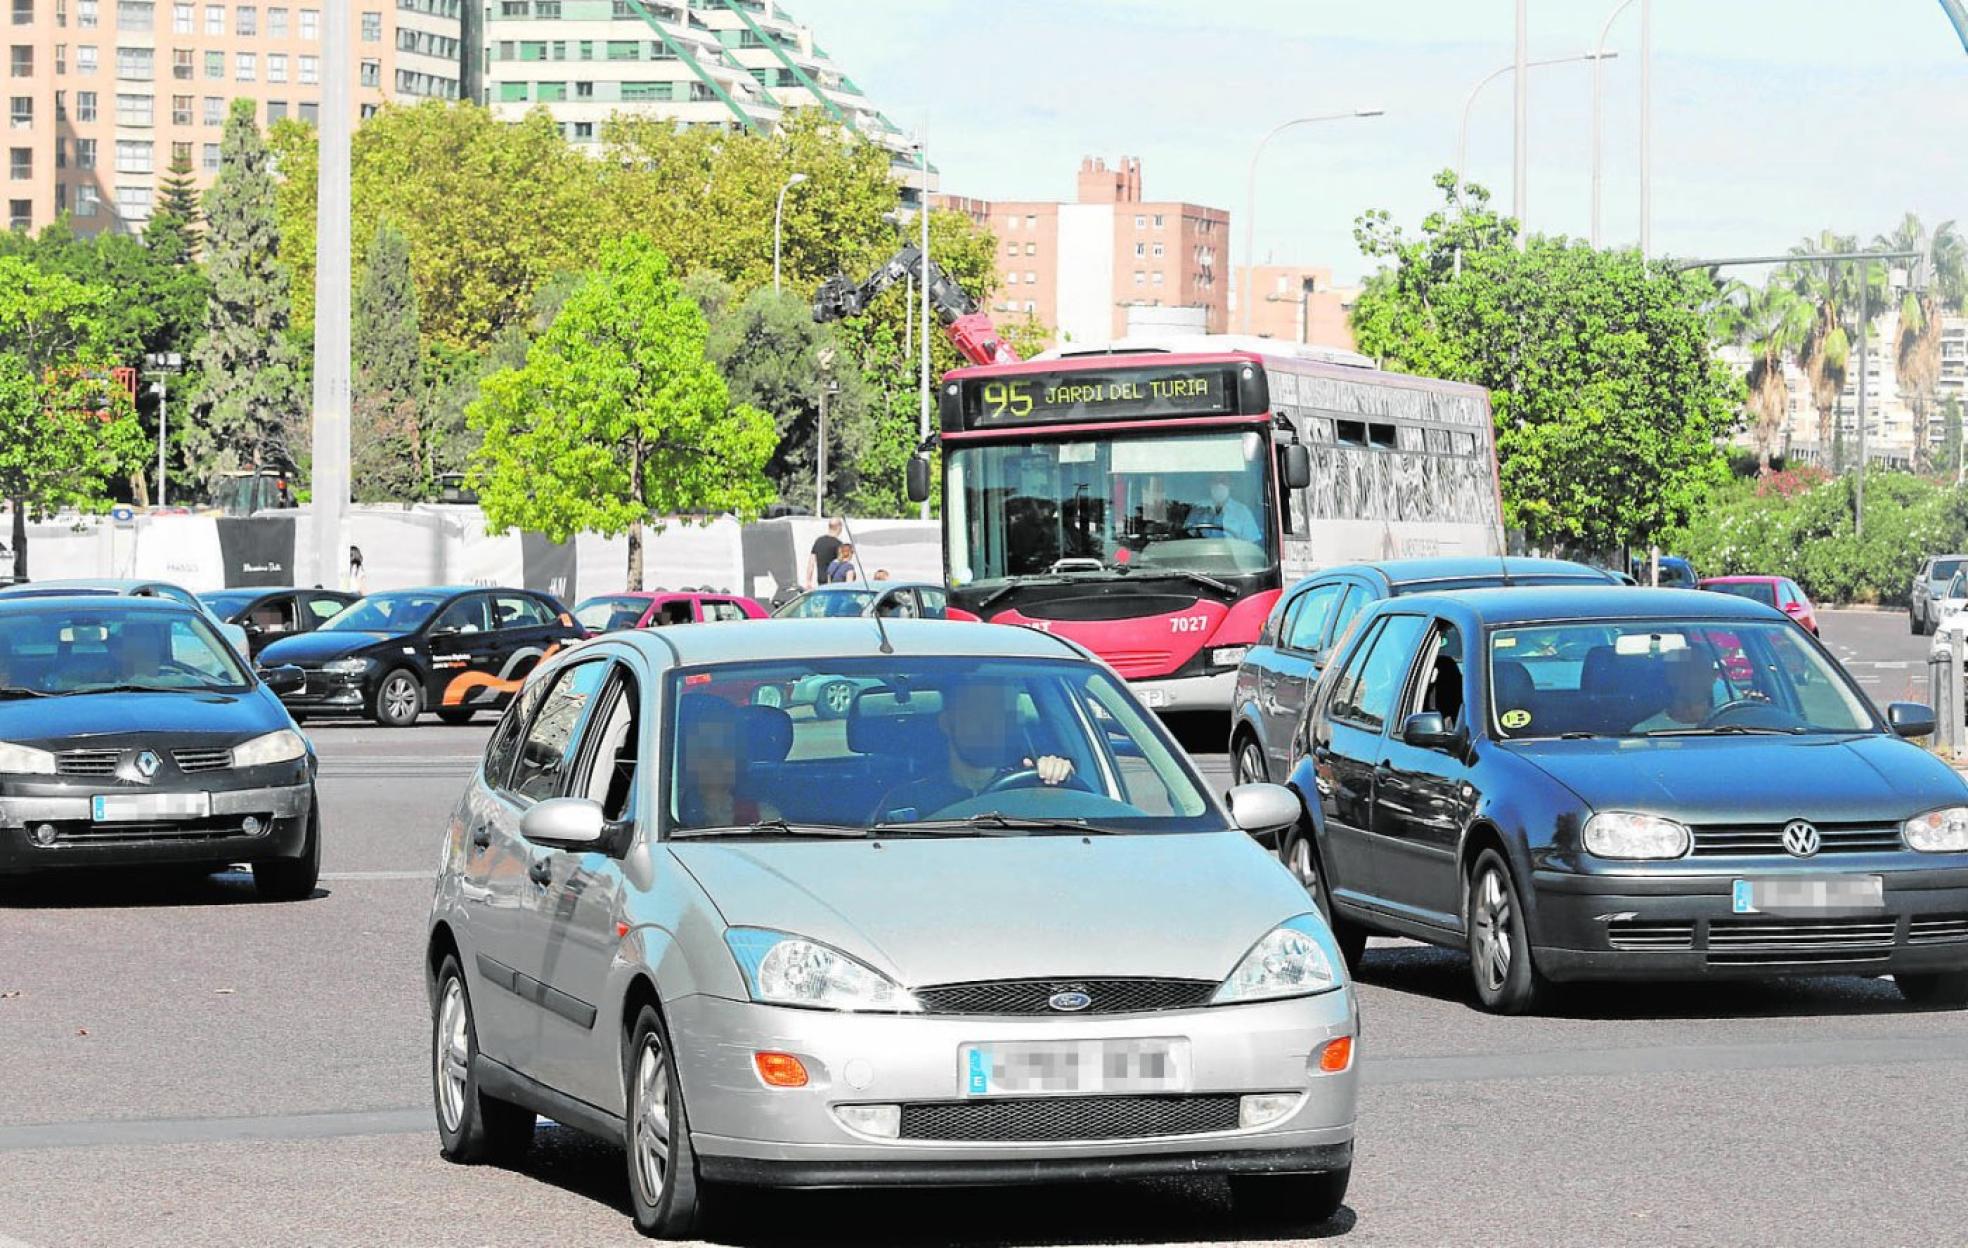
969, 327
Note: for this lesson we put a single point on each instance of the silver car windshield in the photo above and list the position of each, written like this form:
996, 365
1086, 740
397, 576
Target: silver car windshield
68, 651
929, 746
1658, 678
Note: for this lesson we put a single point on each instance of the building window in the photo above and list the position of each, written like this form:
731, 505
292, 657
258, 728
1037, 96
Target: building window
215, 19
1031, 249
23, 12
133, 203
1140, 278
587, 49
246, 20
1157, 280
61, 152
61, 58
86, 199
584, 132
310, 112
85, 58
85, 14
245, 66
584, 90
181, 152
558, 51
20, 163
276, 67
1140, 250
1031, 278
276, 111
85, 106
624, 50
1158, 220
210, 155
372, 27
515, 8
310, 24
1011, 279
215, 110
134, 110
276, 23
184, 19
1011, 223
1140, 222
22, 61
1159, 251
85, 153
136, 16
550, 92
21, 112
215, 65
136, 64
181, 110
512, 92
61, 106
547, 9
132, 156
372, 73
310, 69
1031, 220
20, 214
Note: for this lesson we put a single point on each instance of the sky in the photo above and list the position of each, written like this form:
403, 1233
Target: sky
1773, 119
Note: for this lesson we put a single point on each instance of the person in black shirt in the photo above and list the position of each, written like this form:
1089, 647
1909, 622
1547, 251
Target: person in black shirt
826, 549
981, 746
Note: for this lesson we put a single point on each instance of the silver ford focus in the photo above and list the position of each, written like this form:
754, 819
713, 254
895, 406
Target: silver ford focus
988, 926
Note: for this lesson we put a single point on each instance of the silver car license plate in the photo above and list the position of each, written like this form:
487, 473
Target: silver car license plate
1073, 1067
1810, 895
142, 807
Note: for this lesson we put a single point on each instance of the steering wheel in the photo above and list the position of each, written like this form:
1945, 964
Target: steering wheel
1028, 778
1747, 709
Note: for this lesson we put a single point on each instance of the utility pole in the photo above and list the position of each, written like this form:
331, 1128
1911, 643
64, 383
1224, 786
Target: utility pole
1865, 336
1520, 153
331, 300
922, 424
1646, 128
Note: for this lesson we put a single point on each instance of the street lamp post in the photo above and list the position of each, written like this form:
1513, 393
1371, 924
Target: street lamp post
778, 224
1469, 101
1250, 195
922, 429
1598, 107
164, 364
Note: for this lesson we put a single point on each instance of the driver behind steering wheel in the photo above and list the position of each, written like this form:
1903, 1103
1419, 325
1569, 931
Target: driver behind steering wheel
980, 732
1690, 693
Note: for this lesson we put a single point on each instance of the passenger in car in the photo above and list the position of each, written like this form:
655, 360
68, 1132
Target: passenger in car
711, 767
979, 727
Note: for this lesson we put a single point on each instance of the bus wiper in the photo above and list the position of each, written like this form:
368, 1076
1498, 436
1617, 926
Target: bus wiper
1195, 578
771, 827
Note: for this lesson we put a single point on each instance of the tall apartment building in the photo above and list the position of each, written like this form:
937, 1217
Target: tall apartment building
1296, 303
102, 94
741, 63
1078, 267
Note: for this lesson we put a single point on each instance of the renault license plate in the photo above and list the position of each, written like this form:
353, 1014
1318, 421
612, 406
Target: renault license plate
1809, 895
1073, 1067
147, 807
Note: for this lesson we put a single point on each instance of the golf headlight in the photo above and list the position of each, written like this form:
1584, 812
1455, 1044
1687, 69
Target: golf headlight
1622, 834
1295, 959
346, 667
1938, 831
25, 760
781, 969
283, 746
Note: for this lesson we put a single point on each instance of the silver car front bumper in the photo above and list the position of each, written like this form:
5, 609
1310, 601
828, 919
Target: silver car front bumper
744, 1130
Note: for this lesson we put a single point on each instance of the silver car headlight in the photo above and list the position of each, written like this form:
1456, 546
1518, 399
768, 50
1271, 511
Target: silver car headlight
25, 760
1942, 831
346, 667
1625, 834
283, 746
1295, 959
782, 969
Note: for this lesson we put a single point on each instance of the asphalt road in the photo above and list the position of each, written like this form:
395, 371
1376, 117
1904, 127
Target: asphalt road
184, 1065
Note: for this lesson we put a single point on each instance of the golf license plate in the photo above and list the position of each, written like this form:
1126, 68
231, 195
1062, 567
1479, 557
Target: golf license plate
1073, 1067
1809, 895
147, 807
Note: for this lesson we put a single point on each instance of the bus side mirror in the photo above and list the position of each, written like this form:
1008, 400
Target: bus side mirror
918, 479
1298, 466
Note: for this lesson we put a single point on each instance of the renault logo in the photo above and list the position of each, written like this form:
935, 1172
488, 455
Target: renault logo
1800, 838
148, 763
1069, 1000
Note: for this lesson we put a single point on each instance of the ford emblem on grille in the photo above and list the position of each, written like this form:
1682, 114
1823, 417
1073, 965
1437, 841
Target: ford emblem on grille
1069, 1000
1800, 838
148, 763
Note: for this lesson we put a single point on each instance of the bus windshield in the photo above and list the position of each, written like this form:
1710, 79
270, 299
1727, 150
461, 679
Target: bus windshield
1136, 502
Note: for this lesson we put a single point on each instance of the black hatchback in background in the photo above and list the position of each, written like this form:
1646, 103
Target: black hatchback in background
1310, 621
268, 614
393, 655
132, 734
1602, 784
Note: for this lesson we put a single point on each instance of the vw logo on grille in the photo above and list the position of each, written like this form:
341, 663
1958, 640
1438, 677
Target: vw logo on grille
148, 763
1800, 838
1069, 1000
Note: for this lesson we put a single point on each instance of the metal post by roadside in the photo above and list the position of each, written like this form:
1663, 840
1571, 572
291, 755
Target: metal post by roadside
1865, 338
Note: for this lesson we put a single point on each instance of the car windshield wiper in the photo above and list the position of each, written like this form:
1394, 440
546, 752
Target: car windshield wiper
770, 827
1726, 730
136, 688
990, 821
18, 691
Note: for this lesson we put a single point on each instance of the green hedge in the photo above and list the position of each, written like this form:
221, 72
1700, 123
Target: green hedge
1804, 531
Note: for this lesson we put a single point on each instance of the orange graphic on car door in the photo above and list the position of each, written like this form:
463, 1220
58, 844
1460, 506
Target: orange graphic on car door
465, 684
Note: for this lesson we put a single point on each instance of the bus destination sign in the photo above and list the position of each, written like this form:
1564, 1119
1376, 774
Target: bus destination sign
1096, 395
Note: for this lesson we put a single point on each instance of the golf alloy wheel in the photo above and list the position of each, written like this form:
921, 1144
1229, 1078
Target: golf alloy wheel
1492, 947
452, 1055
650, 1131
1250, 764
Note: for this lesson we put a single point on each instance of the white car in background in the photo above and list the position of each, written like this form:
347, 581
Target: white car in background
1950, 606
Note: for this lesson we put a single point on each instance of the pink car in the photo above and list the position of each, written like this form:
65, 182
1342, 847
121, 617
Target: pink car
657, 608
1772, 591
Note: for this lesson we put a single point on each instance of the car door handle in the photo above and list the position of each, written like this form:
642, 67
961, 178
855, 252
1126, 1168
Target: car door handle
1384, 770
481, 837
541, 872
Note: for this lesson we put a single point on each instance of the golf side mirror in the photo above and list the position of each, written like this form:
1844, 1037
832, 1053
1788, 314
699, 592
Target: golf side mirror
1263, 808
918, 479
284, 679
1911, 719
1428, 731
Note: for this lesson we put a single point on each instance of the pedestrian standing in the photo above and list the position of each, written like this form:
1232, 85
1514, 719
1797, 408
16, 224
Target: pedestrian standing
358, 583
842, 568
826, 549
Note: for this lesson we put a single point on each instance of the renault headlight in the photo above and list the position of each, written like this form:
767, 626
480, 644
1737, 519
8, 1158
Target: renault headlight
1295, 959
781, 969
1624, 834
1938, 831
25, 760
283, 746
346, 667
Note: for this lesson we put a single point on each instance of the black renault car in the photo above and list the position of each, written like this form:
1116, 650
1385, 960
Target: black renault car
391, 656
1310, 621
1607, 783
268, 614
132, 734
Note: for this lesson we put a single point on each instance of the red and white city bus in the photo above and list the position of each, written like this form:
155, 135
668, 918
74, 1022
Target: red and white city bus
1151, 504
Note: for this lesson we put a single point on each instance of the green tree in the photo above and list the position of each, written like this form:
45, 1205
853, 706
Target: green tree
1917, 341
66, 428
251, 412
1607, 401
618, 416
1770, 323
389, 460
173, 230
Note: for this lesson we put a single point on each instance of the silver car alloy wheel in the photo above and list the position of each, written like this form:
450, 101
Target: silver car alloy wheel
840, 698
399, 697
1490, 915
452, 1054
650, 1135
1302, 864
1250, 765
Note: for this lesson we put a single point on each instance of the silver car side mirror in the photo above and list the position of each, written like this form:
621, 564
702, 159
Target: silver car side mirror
565, 823
1263, 807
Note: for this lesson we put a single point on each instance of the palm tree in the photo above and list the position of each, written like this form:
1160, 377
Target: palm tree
1831, 289
1918, 344
1771, 322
